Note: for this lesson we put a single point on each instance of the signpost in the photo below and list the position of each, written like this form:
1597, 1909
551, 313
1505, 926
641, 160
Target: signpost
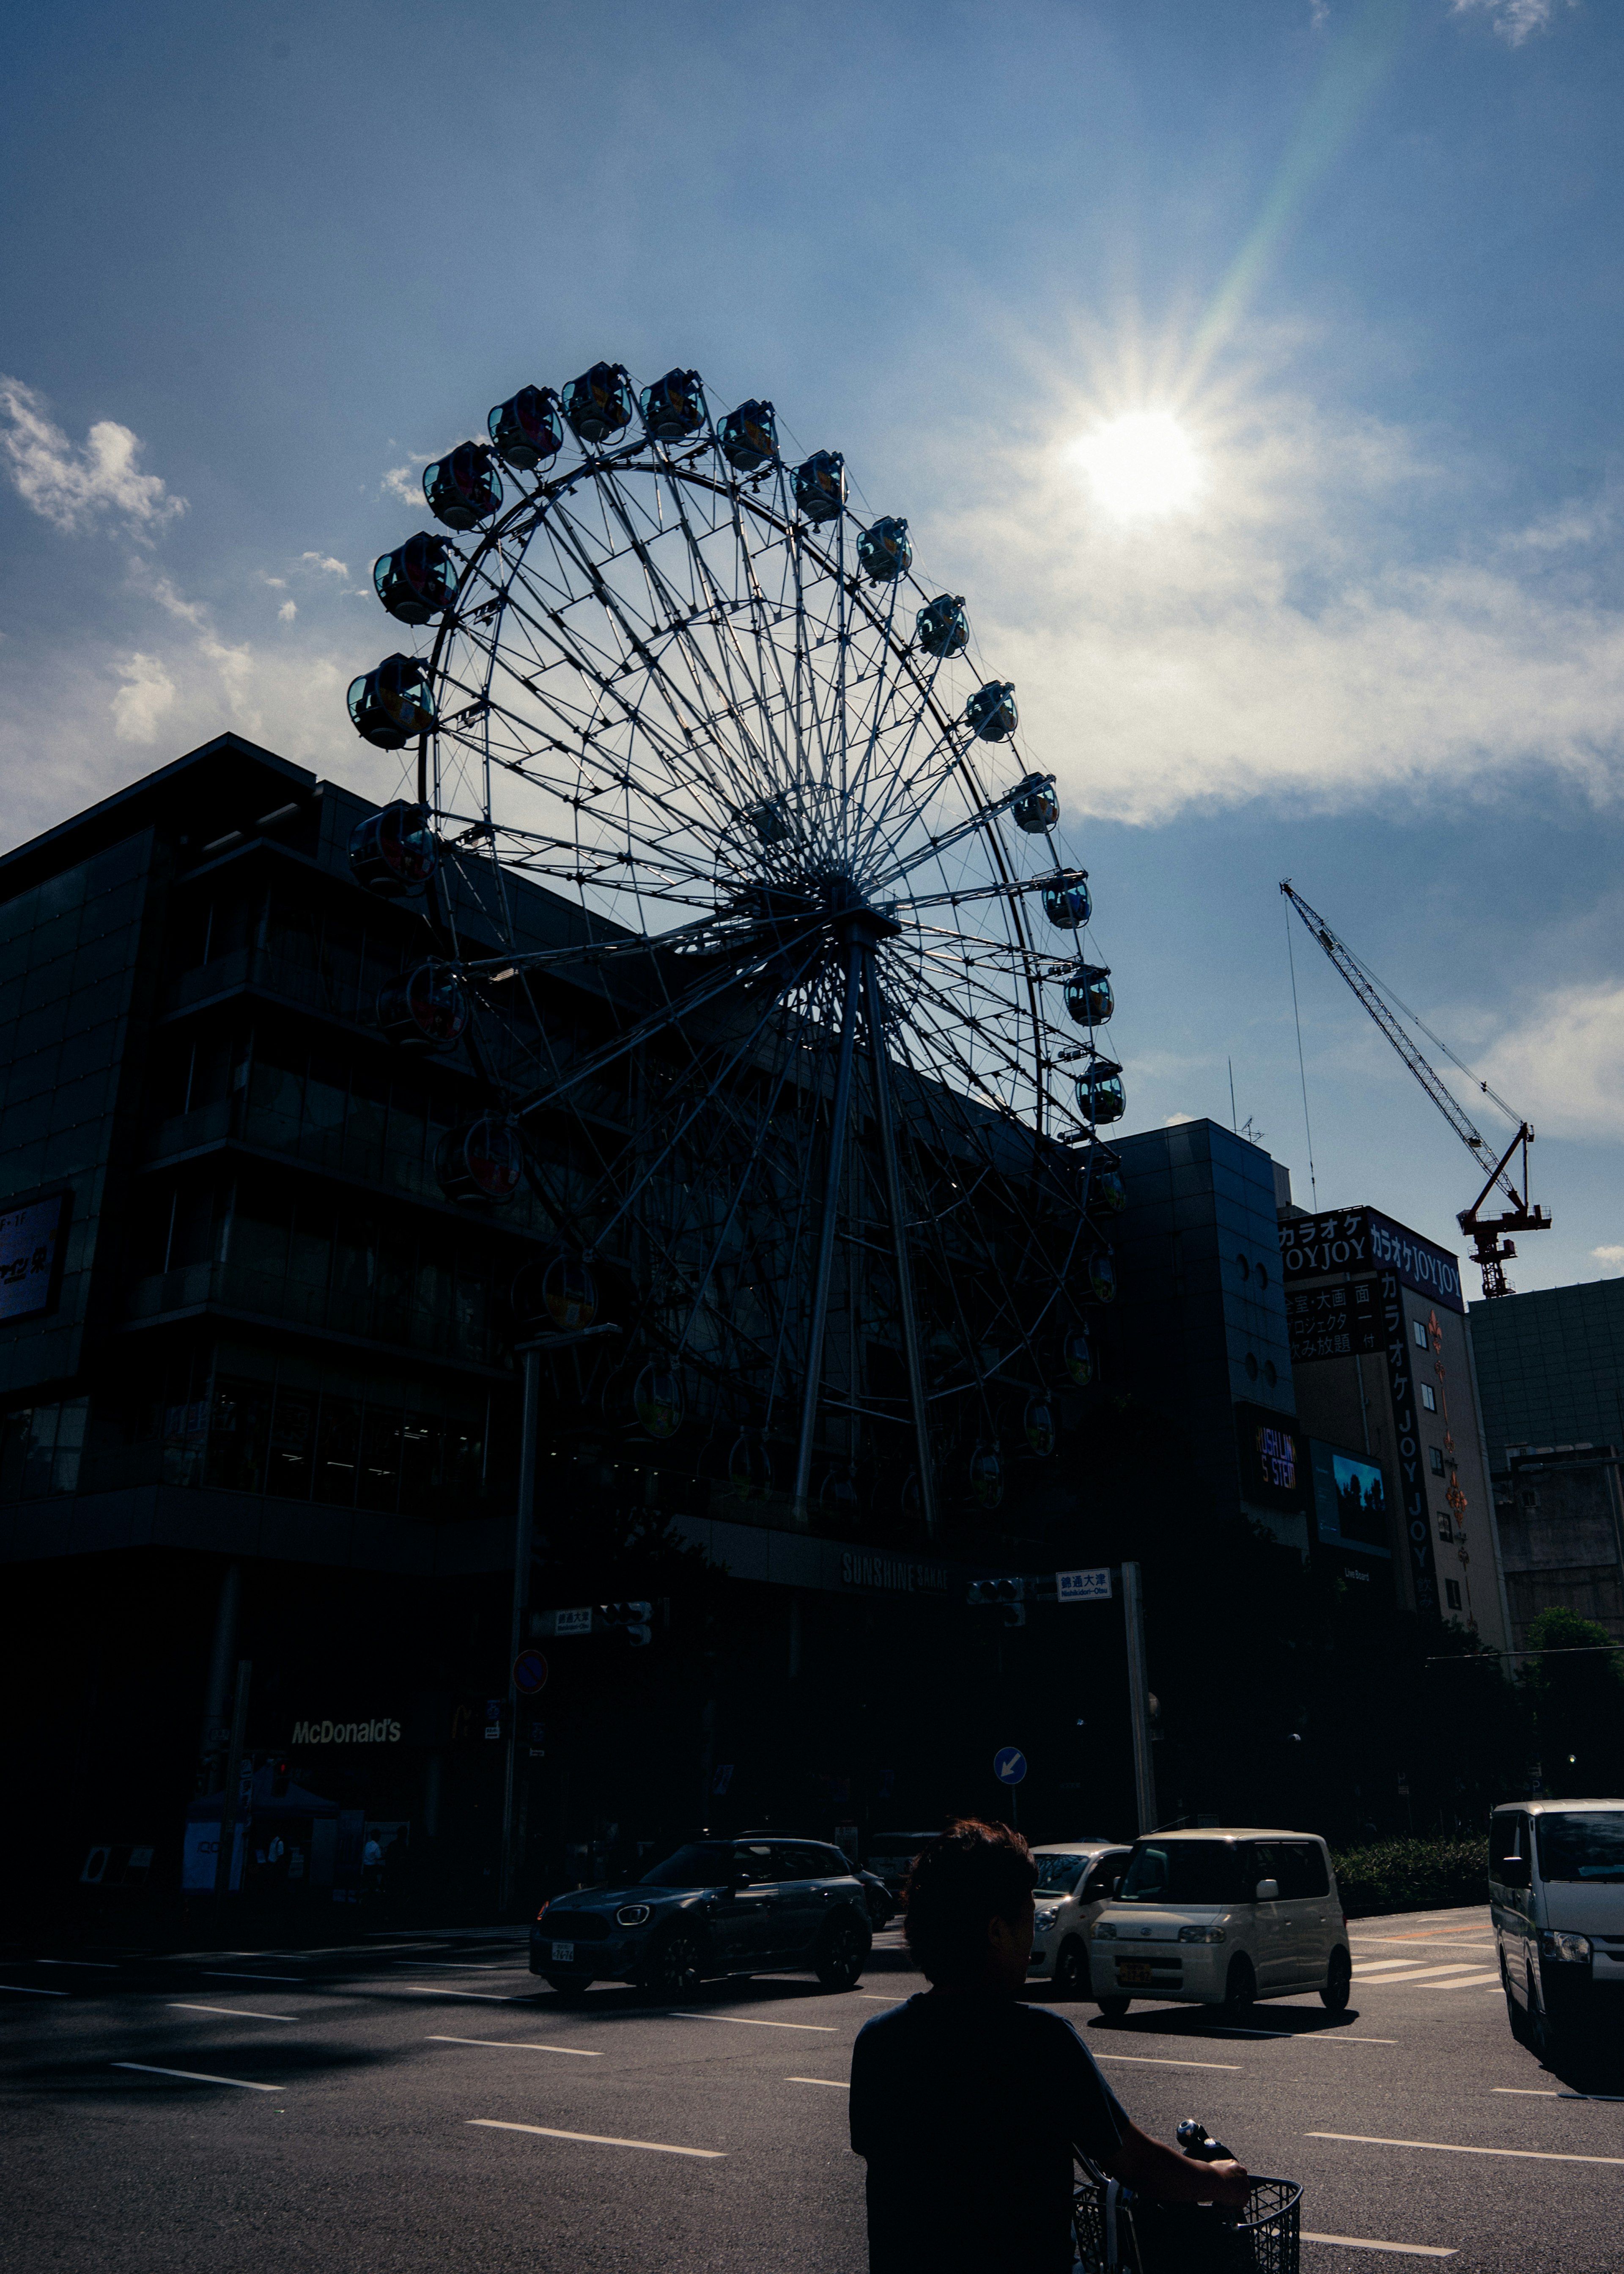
1009, 1766
523, 1542
529, 1672
1088, 1586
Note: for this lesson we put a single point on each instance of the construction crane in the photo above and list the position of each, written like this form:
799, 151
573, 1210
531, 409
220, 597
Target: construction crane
1491, 1250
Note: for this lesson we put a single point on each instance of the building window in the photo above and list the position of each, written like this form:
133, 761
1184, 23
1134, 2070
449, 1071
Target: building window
1452, 1593
1245, 1267
1419, 1332
1446, 1530
1429, 1398
1251, 1367
1263, 1275
1531, 1500
1434, 1453
1271, 1372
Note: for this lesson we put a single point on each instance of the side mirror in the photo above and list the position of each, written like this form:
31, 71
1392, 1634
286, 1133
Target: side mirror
1510, 1871
738, 1877
1267, 1891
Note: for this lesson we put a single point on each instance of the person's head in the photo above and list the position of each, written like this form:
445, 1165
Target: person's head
967, 1906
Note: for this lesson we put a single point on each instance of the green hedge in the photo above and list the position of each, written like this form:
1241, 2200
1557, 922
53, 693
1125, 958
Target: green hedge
1412, 1875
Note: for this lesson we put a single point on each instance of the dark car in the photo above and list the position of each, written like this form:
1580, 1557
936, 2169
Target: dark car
714, 1907
881, 1905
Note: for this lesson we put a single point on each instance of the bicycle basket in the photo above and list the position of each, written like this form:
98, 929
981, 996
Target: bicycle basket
1153, 2238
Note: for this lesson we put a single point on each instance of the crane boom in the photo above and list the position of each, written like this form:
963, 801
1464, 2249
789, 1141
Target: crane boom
1491, 1249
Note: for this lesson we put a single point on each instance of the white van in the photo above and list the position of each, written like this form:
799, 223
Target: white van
1556, 1887
1076, 1880
1220, 1918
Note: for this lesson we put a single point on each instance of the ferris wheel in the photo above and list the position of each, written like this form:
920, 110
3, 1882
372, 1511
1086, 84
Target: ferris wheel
800, 1051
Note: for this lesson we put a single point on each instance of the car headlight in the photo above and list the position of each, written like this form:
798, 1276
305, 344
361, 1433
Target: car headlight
1202, 1934
1104, 1932
632, 1915
1575, 1948
1041, 1920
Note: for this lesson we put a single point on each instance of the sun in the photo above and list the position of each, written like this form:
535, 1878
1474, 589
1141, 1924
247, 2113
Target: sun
1141, 463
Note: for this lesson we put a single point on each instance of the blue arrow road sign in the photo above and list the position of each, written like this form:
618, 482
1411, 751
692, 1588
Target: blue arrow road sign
1009, 1764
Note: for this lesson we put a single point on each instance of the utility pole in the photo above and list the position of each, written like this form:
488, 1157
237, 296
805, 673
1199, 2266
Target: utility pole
523, 1544
1138, 1698
229, 1799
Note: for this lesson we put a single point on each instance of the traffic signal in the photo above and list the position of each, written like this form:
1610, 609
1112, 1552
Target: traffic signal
1008, 1595
281, 1777
635, 1621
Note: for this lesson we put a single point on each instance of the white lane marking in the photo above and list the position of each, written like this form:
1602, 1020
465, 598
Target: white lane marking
1390, 1965
1157, 2060
744, 2021
1472, 1982
26, 1990
516, 2045
432, 1990
1526, 2092
1363, 2242
237, 2012
1450, 2147
224, 1973
101, 1965
1429, 1974
833, 2083
196, 2076
880, 1996
600, 2139
450, 1966
1304, 2036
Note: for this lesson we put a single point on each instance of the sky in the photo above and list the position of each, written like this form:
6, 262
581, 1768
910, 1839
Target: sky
1254, 371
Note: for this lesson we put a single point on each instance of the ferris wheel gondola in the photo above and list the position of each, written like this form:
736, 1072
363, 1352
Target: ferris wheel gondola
809, 1105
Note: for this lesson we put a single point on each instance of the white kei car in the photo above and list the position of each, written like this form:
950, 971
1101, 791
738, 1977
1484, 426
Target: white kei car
1076, 1880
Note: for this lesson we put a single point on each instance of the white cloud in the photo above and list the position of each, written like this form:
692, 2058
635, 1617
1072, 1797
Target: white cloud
287, 612
1567, 1069
1294, 634
277, 583
1174, 1120
69, 485
405, 482
1609, 1255
174, 603
1515, 19
325, 560
141, 703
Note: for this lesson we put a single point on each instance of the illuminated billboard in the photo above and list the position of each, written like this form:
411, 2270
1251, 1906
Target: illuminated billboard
1273, 1458
1353, 1504
30, 1244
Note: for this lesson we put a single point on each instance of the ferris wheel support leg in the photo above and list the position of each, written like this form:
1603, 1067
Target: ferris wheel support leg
826, 1238
899, 1234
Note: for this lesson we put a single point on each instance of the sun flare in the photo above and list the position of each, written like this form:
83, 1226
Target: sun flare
1140, 464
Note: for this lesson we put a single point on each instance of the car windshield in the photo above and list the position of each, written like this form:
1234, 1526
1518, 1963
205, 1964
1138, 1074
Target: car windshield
1057, 1875
1587, 1845
1189, 1871
702, 1864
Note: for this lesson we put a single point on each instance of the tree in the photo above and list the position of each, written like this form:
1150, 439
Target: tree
1577, 1687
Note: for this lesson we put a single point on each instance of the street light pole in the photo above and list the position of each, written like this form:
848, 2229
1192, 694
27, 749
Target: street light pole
230, 1798
523, 1542
1138, 1698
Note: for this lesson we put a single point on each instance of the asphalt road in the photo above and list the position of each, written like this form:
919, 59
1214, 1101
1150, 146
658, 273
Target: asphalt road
419, 2103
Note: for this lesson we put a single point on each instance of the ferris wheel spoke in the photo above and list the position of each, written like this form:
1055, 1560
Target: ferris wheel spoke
689, 717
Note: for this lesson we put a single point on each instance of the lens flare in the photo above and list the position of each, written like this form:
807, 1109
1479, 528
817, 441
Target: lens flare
1141, 463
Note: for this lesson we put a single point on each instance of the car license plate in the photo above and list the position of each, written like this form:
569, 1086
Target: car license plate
1130, 1972
563, 1954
